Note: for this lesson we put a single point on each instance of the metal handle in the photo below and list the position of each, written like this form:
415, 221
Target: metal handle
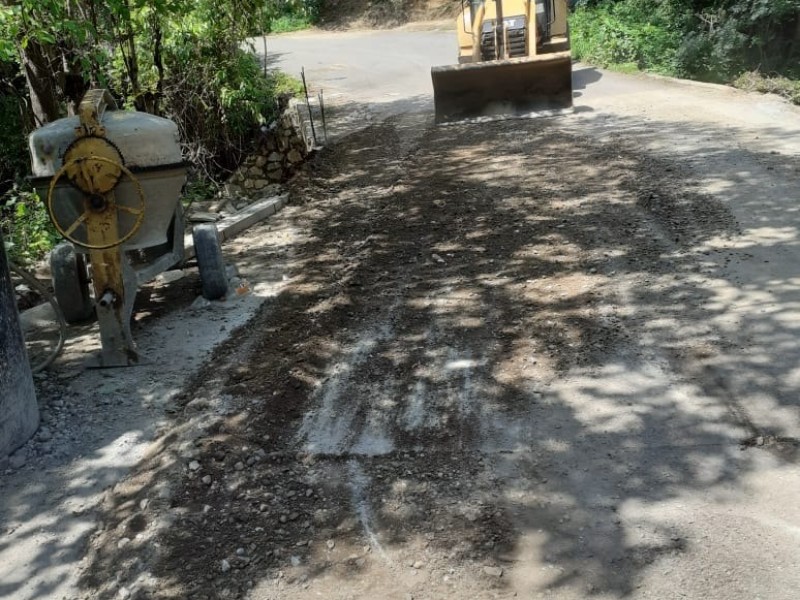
91, 111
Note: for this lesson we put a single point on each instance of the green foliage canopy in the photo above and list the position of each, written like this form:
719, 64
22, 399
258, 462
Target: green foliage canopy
182, 59
712, 40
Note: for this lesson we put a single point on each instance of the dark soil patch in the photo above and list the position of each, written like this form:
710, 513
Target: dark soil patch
465, 266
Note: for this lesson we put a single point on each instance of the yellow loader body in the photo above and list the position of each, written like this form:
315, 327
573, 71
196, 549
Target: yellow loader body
514, 60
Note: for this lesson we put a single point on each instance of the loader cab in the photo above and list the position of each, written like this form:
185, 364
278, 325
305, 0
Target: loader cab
529, 28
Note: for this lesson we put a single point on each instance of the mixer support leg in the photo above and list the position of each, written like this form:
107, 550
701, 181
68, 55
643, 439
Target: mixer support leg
115, 283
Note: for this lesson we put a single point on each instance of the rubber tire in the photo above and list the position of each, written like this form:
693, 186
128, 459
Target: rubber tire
71, 283
210, 261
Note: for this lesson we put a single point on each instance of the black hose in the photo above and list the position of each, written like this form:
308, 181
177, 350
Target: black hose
62, 322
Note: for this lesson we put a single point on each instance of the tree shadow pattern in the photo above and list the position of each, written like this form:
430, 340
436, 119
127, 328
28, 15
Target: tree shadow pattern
493, 341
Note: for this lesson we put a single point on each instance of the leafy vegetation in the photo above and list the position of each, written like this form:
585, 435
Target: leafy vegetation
782, 86
182, 59
289, 15
641, 33
745, 42
287, 23
27, 230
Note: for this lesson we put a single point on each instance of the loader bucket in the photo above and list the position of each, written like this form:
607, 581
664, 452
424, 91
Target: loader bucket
516, 87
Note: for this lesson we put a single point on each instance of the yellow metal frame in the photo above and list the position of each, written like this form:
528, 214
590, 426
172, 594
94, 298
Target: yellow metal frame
91, 110
102, 176
102, 223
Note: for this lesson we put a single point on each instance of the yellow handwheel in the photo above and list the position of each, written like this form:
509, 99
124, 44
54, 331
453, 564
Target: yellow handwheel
96, 204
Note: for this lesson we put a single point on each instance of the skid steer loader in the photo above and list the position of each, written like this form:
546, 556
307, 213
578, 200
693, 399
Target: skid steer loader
514, 61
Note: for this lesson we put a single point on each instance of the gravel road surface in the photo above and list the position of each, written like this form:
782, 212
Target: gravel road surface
550, 358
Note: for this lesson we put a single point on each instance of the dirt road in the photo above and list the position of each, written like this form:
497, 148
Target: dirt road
551, 358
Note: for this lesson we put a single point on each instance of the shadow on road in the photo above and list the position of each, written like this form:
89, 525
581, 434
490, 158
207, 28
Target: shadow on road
504, 346
584, 77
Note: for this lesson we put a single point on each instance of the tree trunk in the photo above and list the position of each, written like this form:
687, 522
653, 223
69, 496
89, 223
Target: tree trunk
37, 65
158, 61
131, 60
795, 51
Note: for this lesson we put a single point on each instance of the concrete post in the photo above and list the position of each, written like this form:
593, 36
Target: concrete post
19, 413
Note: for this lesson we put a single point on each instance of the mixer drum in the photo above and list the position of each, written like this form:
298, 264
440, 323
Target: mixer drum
147, 145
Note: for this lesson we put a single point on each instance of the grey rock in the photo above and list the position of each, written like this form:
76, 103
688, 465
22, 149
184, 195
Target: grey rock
273, 189
493, 571
17, 461
231, 190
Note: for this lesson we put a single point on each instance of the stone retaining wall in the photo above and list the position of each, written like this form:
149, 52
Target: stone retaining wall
284, 147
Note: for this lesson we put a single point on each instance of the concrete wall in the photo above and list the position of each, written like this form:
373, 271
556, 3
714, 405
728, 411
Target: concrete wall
19, 413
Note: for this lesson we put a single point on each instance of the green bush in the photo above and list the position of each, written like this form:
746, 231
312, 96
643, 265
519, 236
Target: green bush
287, 23
713, 56
26, 227
13, 151
710, 40
13, 148
181, 59
287, 16
218, 104
23, 219
644, 33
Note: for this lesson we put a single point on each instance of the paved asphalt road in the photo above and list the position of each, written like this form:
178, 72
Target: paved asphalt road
390, 72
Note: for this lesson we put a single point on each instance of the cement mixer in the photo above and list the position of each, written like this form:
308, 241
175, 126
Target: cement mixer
112, 181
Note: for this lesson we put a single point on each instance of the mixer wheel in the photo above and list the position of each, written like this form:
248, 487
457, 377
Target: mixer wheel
210, 262
70, 283
98, 206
